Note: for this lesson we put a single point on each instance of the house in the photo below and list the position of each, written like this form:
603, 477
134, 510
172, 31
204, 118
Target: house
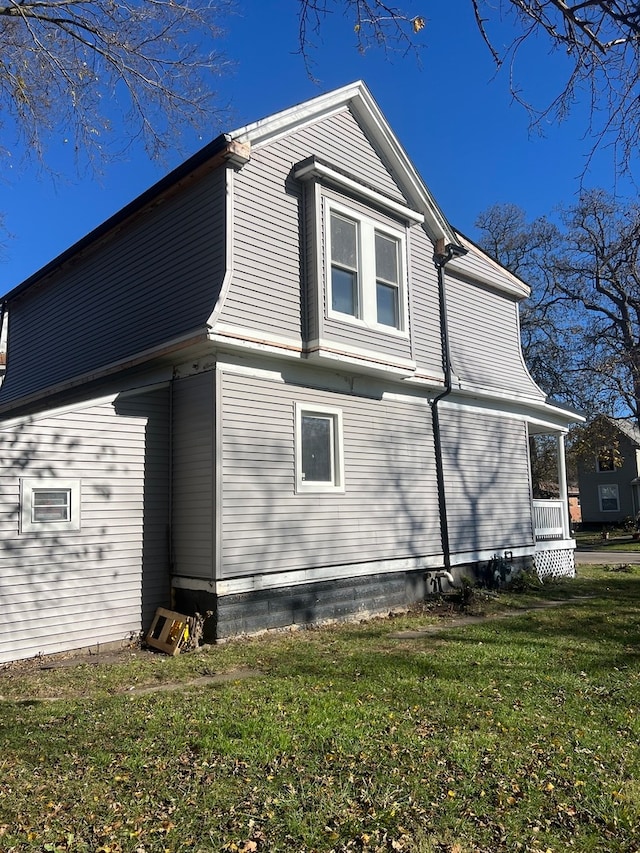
276, 388
609, 475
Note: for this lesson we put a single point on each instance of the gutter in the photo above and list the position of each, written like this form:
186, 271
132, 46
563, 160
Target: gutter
441, 257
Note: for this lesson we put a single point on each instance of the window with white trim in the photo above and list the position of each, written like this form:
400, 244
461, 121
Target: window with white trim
366, 281
49, 505
609, 498
319, 455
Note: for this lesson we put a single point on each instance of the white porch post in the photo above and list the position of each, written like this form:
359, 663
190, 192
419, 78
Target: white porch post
562, 484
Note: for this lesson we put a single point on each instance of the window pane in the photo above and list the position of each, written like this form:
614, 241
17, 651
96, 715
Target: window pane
387, 302
609, 498
386, 258
344, 242
344, 291
317, 465
49, 505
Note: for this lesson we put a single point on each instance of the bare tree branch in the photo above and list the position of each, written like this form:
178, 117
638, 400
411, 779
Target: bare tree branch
68, 67
600, 39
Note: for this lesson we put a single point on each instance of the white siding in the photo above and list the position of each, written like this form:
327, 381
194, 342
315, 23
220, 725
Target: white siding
487, 481
265, 294
485, 341
193, 467
388, 510
103, 582
156, 279
424, 308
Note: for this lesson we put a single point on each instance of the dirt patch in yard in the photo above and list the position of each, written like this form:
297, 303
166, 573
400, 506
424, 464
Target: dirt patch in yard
462, 620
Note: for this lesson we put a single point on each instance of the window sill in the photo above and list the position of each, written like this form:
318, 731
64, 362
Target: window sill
378, 328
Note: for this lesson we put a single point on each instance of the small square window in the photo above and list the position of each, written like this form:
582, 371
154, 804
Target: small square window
49, 505
609, 499
605, 460
319, 466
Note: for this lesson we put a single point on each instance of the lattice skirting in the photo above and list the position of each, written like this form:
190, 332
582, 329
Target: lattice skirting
555, 564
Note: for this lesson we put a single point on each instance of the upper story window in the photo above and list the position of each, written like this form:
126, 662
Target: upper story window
605, 460
387, 280
367, 279
345, 265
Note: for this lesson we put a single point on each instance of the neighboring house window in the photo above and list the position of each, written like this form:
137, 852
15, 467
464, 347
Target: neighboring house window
49, 505
605, 460
609, 501
319, 463
367, 280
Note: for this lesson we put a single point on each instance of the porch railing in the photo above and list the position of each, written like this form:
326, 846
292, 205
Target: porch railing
548, 520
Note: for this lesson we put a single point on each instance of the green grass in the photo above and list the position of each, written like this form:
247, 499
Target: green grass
619, 540
511, 734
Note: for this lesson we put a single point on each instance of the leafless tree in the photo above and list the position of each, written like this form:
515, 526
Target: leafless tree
597, 276
70, 68
526, 249
374, 22
600, 39
581, 330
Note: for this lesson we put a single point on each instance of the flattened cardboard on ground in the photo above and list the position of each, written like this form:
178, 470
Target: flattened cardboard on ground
168, 631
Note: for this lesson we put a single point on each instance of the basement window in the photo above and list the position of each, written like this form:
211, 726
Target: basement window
49, 505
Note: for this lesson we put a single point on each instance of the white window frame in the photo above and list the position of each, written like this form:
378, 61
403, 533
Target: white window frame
367, 227
29, 486
613, 486
336, 485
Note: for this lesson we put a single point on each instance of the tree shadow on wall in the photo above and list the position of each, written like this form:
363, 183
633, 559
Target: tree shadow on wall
70, 588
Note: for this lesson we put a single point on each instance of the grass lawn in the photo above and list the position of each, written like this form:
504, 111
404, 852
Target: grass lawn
619, 540
507, 734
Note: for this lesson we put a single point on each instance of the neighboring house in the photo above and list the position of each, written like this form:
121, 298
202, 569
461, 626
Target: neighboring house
277, 388
609, 478
575, 510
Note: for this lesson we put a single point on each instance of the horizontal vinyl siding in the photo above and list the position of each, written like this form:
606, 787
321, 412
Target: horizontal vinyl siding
389, 508
193, 476
424, 306
486, 470
265, 294
64, 590
485, 343
476, 265
157, 279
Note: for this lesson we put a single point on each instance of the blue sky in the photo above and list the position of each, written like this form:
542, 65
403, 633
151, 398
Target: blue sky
452, 112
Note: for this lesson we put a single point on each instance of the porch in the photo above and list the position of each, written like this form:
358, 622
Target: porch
554, 545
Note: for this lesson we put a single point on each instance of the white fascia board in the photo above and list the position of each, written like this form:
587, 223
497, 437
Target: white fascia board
538, 412
266, 130
357, 97
322, 171
80, 405
25, 420
368, 111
